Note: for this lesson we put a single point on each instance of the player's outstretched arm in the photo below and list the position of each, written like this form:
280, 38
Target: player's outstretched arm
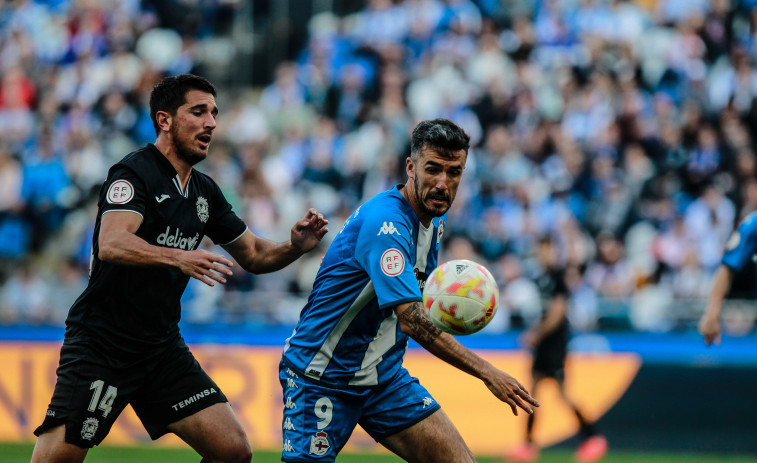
119, 244
259, 255
709, 324
415, 322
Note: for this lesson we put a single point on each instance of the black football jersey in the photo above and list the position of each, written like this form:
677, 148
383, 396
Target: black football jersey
552, 284
131, 310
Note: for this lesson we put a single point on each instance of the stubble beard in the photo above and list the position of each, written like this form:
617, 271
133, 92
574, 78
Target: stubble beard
426, 209
186, 153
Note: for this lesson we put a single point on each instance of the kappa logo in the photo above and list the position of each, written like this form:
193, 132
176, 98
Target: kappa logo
388, 229
427, 401
89, 428
291, 384
319, 444
288, 426
288, 446
733, 241
162, 198
290, 404
203, 209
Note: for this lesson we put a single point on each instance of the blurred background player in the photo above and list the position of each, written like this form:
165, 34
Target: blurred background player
548, 340
735, 271
342, 366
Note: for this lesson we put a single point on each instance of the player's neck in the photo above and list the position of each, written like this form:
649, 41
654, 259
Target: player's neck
409, 193
182, 167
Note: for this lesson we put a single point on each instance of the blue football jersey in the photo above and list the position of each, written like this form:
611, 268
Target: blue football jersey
742, 245
348, 333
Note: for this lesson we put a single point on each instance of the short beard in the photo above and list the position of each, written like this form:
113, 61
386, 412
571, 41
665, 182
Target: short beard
422, 203
189, 157
184, 153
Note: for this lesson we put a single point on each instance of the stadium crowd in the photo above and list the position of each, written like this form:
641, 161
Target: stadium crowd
620, 128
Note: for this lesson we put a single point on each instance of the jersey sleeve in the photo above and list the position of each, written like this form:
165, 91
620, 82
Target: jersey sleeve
124, 190
384, 250
742, 245
224, 226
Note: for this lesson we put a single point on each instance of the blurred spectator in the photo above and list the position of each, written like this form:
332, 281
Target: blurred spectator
67, 284
25, 297
604, 123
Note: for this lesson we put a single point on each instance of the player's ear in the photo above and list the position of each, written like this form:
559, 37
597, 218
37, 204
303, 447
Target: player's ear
410, 167
164, 120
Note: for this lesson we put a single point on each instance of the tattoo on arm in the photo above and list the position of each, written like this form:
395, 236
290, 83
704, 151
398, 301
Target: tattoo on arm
421, 327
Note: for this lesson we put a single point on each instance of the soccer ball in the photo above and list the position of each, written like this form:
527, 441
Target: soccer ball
461, 297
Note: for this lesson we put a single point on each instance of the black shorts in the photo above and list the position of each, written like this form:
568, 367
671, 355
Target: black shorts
549, 359
90, 394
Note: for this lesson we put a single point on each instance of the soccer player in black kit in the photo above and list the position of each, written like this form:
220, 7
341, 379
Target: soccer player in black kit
548, 340
122, 343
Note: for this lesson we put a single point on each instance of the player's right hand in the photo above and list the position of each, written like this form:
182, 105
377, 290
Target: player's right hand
205, 266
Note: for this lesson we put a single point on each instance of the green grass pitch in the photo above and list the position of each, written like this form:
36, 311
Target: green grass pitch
21, 453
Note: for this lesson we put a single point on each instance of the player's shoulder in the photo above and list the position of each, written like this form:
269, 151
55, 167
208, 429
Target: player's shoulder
138, 159
388, 206
749, 223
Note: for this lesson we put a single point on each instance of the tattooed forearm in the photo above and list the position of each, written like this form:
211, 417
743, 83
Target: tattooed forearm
419, 326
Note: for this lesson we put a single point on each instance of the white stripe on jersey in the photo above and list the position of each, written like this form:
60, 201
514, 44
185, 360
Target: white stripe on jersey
384, 340
177, 184
387, 333
425, 236
318, 365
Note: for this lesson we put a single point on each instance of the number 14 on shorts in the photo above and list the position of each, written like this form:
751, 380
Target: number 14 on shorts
106, 404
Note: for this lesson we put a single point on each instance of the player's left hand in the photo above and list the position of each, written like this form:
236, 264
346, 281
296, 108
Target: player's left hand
509, 390
309, 231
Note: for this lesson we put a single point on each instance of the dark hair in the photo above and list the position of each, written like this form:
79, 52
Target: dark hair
170, 93
443, 135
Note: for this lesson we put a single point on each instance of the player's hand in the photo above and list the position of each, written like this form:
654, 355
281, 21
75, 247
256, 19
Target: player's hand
205, 266
308, 232
709, 327
509, 390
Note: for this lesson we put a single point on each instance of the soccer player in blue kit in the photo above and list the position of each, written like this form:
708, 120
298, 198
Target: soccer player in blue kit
342, 366
740, 251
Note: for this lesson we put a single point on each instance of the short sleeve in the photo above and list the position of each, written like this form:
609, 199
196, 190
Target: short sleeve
742, 245
224, 226
384, 250
124, 190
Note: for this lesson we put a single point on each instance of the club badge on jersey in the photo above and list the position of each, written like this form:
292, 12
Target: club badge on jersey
203, 209
319, 444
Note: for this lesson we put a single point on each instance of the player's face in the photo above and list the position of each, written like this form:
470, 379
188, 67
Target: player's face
192, 128
435, 180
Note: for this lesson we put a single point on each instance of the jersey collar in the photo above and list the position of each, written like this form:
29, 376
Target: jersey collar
168, 169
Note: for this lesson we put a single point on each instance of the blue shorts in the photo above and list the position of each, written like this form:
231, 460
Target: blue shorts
318, 420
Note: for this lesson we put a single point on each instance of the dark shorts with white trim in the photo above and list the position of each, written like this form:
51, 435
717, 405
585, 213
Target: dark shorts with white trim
90, 393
